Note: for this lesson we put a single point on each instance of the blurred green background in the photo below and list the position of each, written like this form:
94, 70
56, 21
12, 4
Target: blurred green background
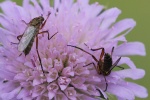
139, 10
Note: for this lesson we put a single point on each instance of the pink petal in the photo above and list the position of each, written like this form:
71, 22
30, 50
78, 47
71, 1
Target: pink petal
8, 7
91, 89
109, 17
123, 91
60, 96
45, 5
56, 4
53, 87
138, 90
5, 22
68, 71
6, 74
23, 93
10, 95
37, 6
130, 73
128, 61
71, 93
78, 82
63, 82
51, 95
52, 75
3, 40
37, 81
123, 25
131, 48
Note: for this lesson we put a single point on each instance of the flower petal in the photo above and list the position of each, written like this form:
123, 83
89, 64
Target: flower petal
132, 48
10, 95
60, 96
130, 73
108, 17
123, 91
52, 75
123, 25
138, 90
63, 82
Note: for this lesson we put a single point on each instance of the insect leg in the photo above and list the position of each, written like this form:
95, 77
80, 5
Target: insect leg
84, 51
115, 64
90, 64
106, 84
45, 20
48, 34
102, 53
101, 95
19, 38
39, 54
120, 67
112, 51
94, 49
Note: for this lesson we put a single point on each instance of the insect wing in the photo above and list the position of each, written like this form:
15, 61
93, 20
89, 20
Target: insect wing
26, 38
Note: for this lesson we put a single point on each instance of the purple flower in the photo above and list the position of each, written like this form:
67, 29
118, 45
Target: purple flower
77, 23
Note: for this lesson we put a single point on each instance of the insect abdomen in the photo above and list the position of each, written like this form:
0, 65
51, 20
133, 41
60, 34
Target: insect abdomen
107, 63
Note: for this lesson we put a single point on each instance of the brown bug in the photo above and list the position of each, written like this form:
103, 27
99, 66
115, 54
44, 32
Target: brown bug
104, 64
27, 38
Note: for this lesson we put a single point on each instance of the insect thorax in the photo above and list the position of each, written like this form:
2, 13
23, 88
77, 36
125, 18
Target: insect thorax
36, 22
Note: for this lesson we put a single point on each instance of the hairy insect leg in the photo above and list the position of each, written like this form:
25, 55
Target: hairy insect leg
106, 84
39, 55
48, 34
84, 51
45, 20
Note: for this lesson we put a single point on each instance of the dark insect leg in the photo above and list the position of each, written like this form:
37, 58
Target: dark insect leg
112, 51
120, 67
94, 49
101, 95
90, 64
24, 22
48, 34
115, 64
102, 53
39, 54
106, 84
19, 38
84, 51
45, 20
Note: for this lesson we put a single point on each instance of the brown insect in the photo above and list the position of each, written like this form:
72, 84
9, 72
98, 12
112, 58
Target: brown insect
27, 38
104, 64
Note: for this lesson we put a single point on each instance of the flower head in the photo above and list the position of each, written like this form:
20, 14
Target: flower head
66, 74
